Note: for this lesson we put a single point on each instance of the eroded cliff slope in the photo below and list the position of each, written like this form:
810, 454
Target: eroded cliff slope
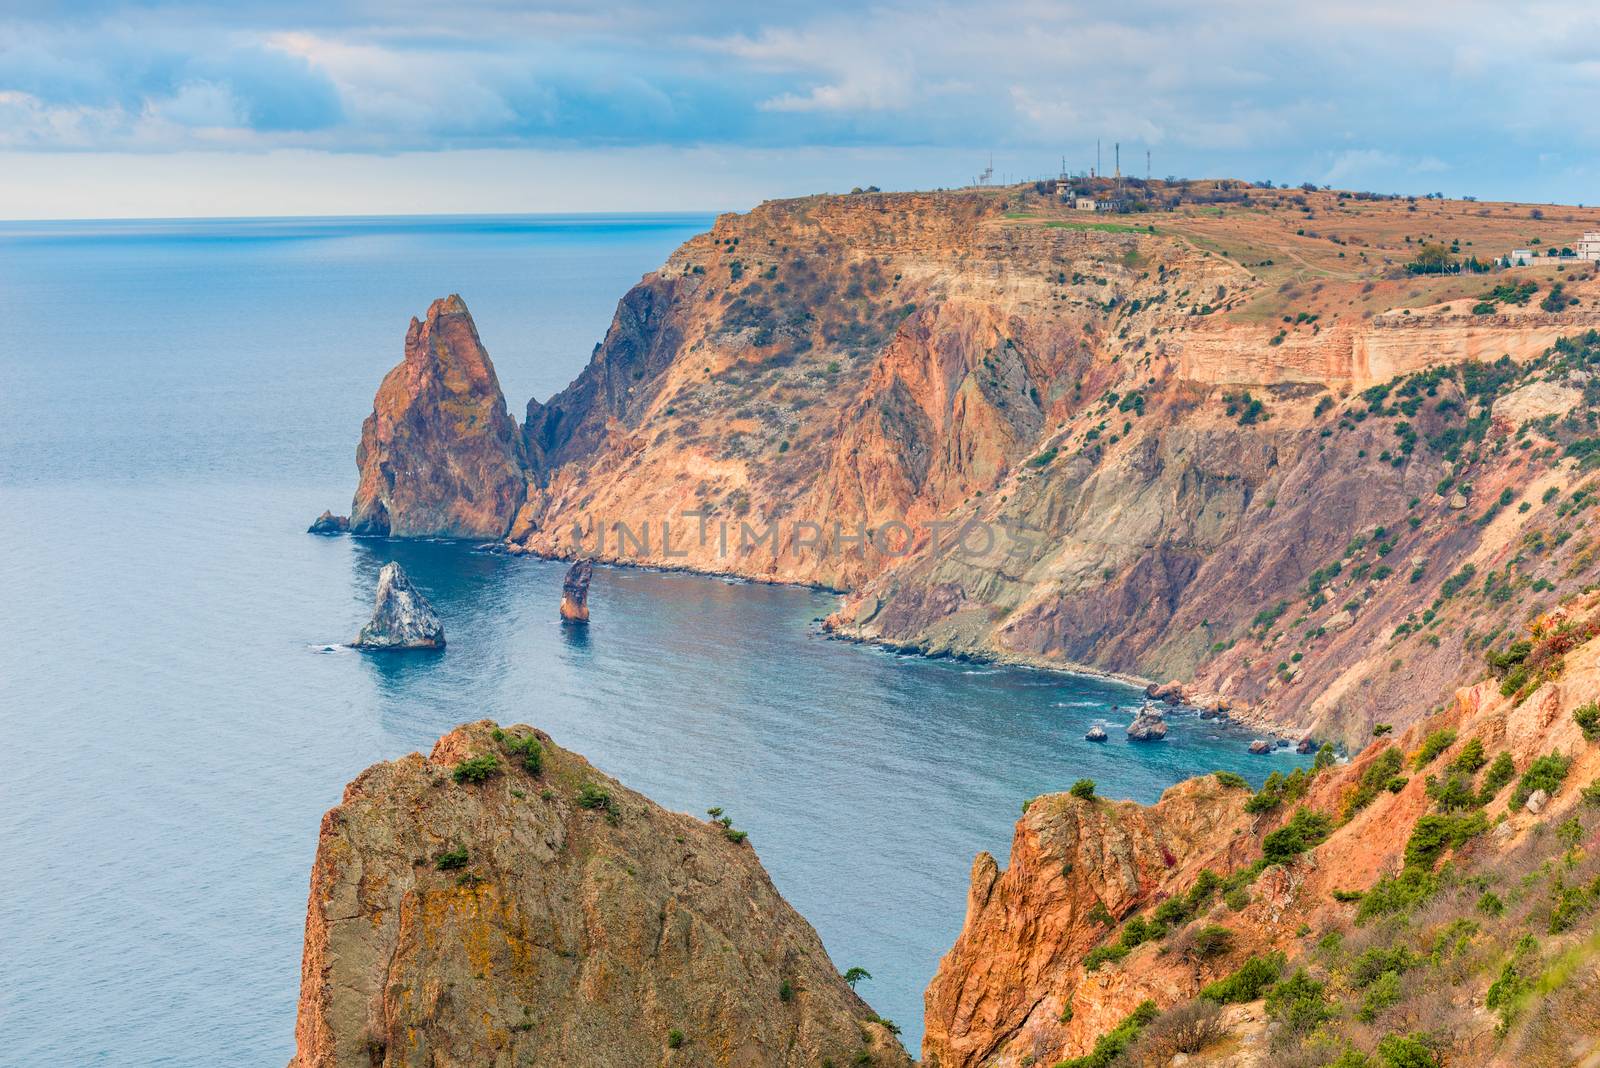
502, 902
1205, 442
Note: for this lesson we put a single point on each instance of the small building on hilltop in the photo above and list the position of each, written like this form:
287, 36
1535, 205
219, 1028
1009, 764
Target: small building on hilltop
1089, 203
1589, 246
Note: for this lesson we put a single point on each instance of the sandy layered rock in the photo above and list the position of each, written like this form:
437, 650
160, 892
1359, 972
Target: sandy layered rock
440, 456
535, 911
402, 618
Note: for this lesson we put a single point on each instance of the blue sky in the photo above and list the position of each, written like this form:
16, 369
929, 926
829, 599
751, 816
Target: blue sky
159, 107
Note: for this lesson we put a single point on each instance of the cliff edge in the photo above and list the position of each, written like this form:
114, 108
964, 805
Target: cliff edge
503, 902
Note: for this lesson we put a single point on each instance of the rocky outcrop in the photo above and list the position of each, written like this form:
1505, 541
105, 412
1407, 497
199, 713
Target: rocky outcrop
575, 592
1096, 733
1021, 986
401, 618
503, 902
329, 524
1077, 867
1148, 725
439, 455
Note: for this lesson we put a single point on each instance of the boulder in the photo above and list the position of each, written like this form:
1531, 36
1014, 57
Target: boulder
1171, 693
1536, 801
575, 592
330, 524
1305, 745
1260, 745
1147, 726
1096, 733
402, 617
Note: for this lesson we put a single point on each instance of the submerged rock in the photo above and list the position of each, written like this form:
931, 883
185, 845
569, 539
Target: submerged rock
1260, 745
1147, 726
503, 902
1096, 733
402, 618
328, 523
575, 592
440, 456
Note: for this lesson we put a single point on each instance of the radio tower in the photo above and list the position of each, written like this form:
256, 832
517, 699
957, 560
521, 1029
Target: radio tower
988, 172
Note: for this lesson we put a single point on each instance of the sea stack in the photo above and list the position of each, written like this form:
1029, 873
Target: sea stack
575, 592
402, 618
1148, 726
1096, 733
440, 456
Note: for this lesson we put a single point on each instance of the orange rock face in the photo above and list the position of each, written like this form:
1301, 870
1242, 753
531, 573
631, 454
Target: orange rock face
1014, 989
439, 455
1075, 864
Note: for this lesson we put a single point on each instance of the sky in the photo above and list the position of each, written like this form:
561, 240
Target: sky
269, 107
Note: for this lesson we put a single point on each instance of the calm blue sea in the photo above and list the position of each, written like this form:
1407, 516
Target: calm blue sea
177, 401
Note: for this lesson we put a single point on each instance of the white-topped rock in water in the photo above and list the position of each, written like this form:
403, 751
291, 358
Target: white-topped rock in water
402, 618
1148, 726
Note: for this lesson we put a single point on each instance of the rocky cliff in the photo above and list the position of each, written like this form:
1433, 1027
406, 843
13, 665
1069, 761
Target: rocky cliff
439, 455
1208, 442
503, 902
1460, 853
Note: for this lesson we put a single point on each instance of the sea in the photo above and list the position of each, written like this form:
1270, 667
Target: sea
178, 399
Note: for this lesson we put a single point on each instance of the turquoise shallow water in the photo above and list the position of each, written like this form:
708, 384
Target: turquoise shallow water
178, 400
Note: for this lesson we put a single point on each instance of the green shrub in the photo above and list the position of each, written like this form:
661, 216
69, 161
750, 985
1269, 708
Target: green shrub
786, 991
1384, 992
450, 861
477, 769
1268, 797
1436, 832
529, 749
1588, 719
1248, 982
1374, 777
1102, 954
1303, 831
1300, 1003
1502, 771
1545, 773
1405, 1051
1083, 789
1109, 1047
1471, 757
1396, 894
1490, 904
1372, 963
1212, 940
1236, 899
1434, 744
674, 1039
594, 797
1232, 780
1324, 758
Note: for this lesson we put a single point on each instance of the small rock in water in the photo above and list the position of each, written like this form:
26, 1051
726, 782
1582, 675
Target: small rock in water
1096, 733
402, 617
328, 523
1306, 745
1260, 745
1147, 726
1171, 693
575, 592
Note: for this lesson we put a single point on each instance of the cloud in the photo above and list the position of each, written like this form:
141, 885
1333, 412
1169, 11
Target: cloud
1354, 90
